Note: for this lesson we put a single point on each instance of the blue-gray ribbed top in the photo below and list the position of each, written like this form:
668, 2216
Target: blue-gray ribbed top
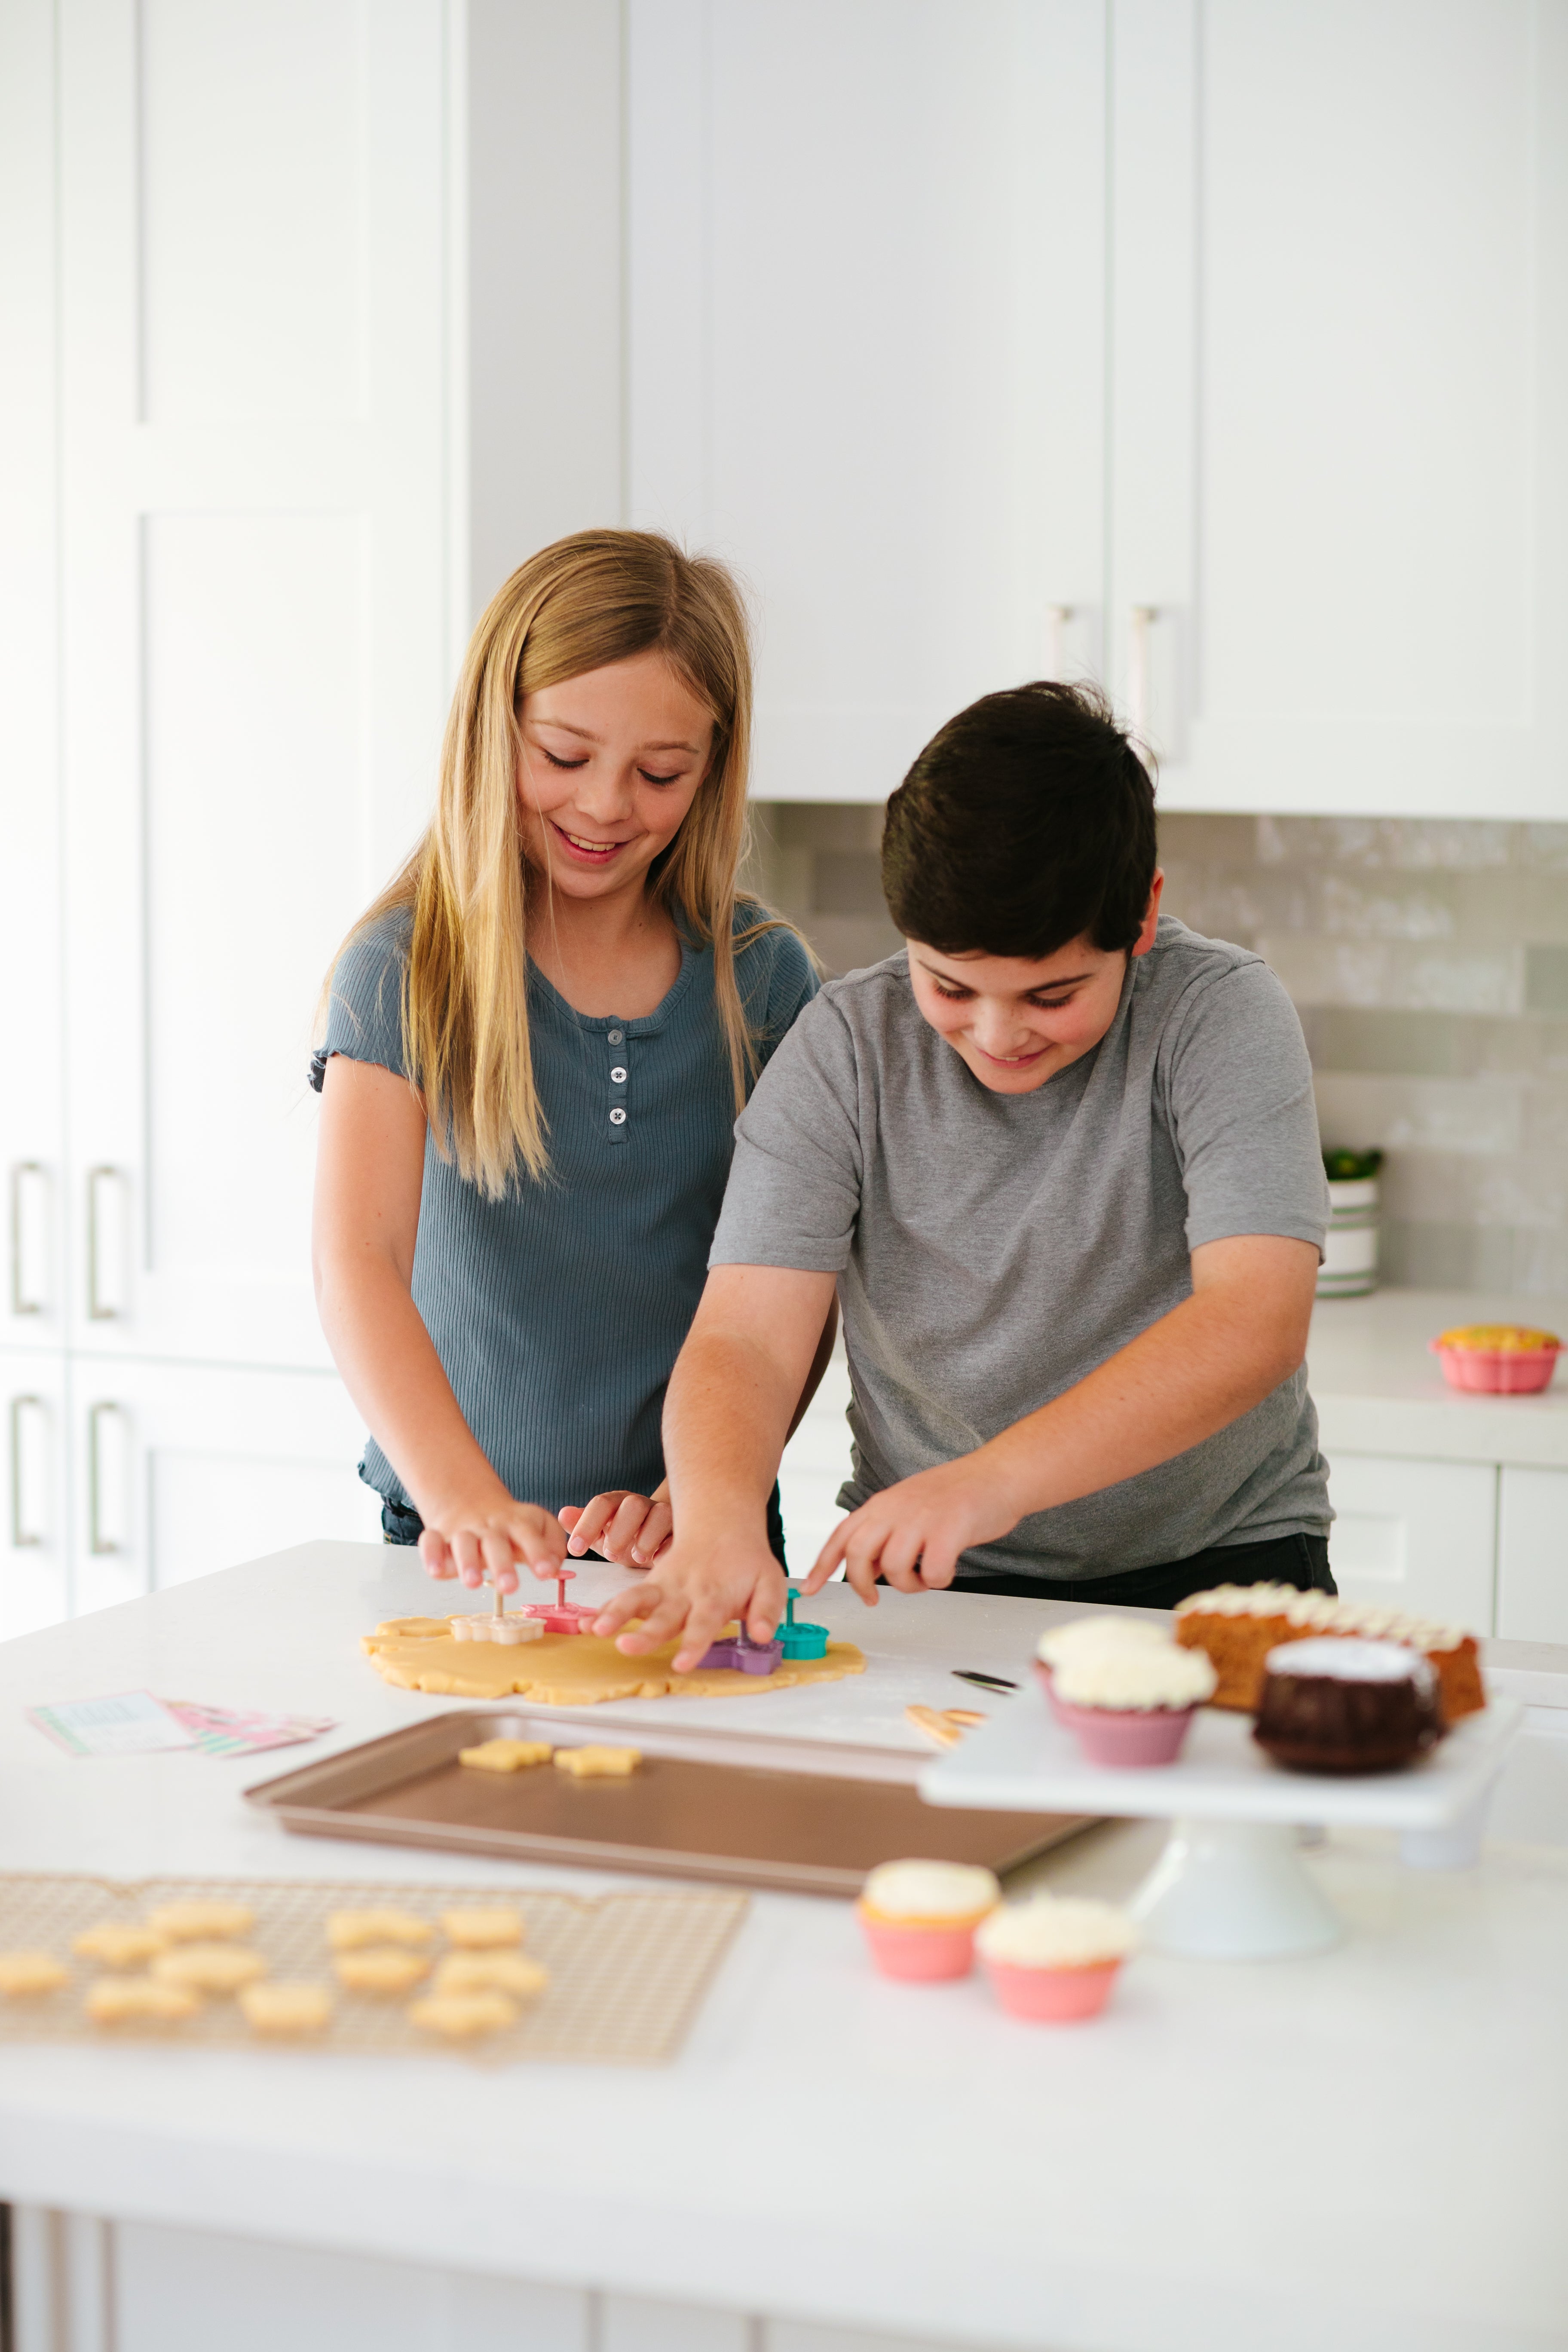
558, 1311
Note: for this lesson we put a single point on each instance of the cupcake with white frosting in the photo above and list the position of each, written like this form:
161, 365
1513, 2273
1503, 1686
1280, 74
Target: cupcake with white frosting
919, 1917
1054, 1958
1129, 1703
1080, 1635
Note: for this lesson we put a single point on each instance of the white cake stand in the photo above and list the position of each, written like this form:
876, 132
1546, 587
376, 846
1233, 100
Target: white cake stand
1230, 1884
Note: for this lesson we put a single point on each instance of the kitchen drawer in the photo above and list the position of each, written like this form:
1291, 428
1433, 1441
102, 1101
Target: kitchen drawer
1416, 1535
1532, 1556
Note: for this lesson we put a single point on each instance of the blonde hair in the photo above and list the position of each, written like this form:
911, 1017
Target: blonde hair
597, 597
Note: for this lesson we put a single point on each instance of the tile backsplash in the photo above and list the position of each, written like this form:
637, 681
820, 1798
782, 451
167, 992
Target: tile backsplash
1429, 963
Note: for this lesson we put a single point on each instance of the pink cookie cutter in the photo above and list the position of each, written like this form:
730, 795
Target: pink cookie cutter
561, 1615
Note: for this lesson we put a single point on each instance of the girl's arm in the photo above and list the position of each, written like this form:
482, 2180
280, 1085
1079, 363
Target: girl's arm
370, 1166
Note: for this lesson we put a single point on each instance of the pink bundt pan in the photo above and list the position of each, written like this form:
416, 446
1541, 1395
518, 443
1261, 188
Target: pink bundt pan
1497, 1371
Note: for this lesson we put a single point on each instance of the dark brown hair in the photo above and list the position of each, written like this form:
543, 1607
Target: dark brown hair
1027, 822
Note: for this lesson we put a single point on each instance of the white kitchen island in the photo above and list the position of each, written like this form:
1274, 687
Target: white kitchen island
1365, 2151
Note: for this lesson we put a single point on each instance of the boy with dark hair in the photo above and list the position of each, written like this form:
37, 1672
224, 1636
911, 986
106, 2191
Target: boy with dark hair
1061, 1158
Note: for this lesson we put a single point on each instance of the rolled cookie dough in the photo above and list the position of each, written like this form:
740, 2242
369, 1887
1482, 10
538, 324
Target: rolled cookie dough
573, 1669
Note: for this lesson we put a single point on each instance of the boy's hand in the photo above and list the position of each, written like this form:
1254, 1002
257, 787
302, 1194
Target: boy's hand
912, 1534
474, 1541
631, 1530
696, 1590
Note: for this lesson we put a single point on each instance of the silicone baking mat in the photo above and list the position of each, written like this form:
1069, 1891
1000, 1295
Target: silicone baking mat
627, 1971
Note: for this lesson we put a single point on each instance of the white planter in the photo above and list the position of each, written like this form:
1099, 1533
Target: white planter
1349, 1249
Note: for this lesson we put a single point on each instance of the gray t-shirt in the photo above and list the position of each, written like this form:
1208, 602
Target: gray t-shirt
992, 1249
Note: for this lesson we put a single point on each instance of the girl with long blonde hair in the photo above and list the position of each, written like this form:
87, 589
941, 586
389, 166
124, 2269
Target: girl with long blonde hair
537, 1042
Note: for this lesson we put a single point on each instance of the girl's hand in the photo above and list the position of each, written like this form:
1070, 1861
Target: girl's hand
695, 1590
474, 1542
912, 1534
631, 1530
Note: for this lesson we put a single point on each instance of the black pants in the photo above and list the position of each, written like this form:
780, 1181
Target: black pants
400, 1523
1300, 1560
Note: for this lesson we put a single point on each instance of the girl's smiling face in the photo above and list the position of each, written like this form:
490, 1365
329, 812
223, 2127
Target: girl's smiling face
609, 764
1015, 1020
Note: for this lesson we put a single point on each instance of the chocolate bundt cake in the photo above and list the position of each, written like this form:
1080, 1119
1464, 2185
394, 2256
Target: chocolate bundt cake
1334, 1704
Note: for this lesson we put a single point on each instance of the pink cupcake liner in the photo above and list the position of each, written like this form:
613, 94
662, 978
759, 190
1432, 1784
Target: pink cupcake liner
1497, 1371
1052, 1996
920, 1955
1126, 1737
1043, 1676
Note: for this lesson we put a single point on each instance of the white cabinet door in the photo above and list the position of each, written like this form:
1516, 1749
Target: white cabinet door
181, 1469
1338, 480
32, 1303
1532, 1556
252, 353
1415, 1535
35, 1537
865, 280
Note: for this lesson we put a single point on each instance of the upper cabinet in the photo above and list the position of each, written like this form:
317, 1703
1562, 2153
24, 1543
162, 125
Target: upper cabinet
252, 485
1217, 351
867, 349
1339, 336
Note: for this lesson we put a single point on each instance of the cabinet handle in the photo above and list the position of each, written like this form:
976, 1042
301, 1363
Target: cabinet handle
101, 1308
1057, 619
26, 1176
97, 1539
1141, 623
25, 1535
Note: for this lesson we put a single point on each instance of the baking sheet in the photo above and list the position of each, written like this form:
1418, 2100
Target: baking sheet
626, 1971
794, 1816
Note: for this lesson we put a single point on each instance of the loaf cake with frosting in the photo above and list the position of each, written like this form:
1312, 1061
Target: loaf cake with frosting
1237, 1624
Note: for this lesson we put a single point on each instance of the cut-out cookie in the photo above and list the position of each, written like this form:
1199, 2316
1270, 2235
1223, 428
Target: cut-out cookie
209, 1968
460, 2016
348, 1931
285, 2009
506, 1755
383, 1971
598, 1763
482, 1931
195, 1922
140, 2000
119, 1947
513, 1973
26, 1973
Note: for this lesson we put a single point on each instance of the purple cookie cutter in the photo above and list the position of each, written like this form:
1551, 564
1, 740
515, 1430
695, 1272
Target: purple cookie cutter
739, 1650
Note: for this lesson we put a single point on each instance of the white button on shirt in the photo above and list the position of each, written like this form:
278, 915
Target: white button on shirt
618, 1075
617, 1116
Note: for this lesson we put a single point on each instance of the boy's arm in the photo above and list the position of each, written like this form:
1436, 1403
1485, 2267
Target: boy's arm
1200, 1367
759, 1334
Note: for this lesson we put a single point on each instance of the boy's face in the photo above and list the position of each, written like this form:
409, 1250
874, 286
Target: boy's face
1015, 1022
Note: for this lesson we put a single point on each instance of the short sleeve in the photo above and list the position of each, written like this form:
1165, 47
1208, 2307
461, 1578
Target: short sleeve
1242, 1116
364, 1010
794, 1194
776, 979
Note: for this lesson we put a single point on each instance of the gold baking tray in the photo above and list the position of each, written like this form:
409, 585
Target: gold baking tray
626, 1971
751, 1810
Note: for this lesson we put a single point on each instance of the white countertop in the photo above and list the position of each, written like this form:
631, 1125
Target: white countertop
1365, 2149
1378, 1390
